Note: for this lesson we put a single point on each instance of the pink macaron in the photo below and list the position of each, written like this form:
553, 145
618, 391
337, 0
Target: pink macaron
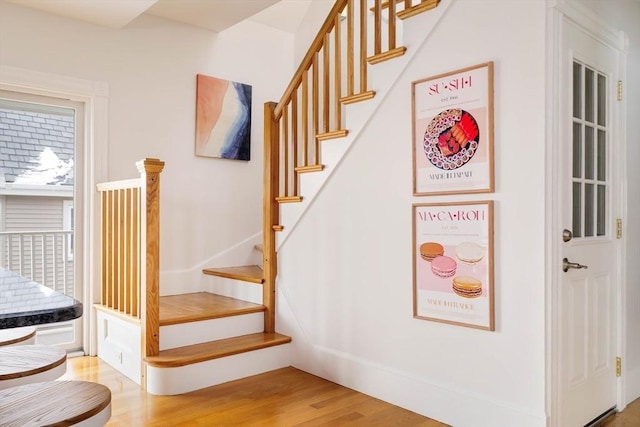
443, 266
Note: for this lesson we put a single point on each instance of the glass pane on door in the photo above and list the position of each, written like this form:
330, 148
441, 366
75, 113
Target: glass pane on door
589, 153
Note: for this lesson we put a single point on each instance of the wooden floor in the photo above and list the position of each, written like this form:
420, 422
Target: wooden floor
630, 417
282, 398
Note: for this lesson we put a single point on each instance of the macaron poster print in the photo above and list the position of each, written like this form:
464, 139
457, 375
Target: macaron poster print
452, 116
453, 263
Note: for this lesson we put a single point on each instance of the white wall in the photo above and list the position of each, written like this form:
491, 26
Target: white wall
625, 15
314, 18
346, 273
208, 205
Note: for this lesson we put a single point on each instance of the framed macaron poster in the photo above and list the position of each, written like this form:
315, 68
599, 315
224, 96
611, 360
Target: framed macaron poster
452, 117
453, 263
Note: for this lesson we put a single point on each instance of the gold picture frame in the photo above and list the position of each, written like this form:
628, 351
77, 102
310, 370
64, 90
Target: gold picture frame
452, 117
453, 263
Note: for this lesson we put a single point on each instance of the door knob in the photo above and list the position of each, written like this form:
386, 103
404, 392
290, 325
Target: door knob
566, 235
566, 265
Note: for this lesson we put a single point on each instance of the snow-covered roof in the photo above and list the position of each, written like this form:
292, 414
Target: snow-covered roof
36, 147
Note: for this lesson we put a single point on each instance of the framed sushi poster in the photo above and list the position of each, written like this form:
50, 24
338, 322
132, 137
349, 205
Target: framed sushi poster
453, 263
452, 118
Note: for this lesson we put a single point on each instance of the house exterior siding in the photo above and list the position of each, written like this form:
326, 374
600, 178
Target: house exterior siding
22, 252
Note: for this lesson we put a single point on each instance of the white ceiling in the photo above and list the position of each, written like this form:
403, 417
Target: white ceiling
214, 15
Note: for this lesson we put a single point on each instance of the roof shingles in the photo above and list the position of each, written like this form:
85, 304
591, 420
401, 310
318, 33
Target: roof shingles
24, 135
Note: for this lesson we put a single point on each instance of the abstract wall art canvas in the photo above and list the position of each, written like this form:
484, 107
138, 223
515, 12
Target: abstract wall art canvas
223, 118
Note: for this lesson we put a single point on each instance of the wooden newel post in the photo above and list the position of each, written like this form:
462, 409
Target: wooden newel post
150, 218
270, 215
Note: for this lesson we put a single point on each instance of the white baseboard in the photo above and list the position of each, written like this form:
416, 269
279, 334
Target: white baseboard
435, 401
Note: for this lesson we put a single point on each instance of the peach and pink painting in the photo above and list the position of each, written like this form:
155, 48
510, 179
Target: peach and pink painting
223, 118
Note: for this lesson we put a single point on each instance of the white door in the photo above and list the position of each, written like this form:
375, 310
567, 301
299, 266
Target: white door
590, 252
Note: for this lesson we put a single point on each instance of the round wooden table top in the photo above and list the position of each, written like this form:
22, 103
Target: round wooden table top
52, 403
24, 360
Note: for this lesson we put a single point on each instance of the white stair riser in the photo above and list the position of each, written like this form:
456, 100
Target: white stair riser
245, 291
172, 336
184, 379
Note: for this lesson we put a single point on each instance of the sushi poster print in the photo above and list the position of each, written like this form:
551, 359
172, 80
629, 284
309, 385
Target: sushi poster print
223, 118
453, 132
453, 263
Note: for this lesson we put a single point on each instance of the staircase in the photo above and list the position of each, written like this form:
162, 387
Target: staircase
196, 340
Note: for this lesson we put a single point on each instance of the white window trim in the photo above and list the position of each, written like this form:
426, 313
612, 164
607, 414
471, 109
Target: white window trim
95, 97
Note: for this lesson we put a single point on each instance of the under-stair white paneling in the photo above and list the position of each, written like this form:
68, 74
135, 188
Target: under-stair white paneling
119, 344
348, 294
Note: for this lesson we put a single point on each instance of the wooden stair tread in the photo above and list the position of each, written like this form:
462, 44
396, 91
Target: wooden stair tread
53, 403
340, 133
246, 273
202, 352
288, 199
358, 97
387, 55
175, 309
309, 168
417, 9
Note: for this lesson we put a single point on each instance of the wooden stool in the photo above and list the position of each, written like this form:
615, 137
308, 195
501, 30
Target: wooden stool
17, 336
56, 403
25, 364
